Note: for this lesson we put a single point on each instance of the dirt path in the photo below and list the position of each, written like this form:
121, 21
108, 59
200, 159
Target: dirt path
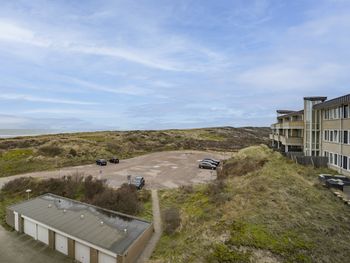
157, 222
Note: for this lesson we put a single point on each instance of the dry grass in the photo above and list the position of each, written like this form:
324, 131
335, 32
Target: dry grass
28, 154
277, 213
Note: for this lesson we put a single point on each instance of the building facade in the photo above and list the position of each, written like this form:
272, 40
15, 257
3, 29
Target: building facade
322, 128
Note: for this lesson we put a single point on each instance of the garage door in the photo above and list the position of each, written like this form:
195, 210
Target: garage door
43, 234
82, 253
104, 258
61, 244
30, 228
16, 221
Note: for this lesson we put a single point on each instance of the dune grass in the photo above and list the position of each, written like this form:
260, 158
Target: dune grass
278, 213
47, 152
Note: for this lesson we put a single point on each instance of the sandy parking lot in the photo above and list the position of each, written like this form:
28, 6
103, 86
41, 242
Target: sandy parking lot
160, 170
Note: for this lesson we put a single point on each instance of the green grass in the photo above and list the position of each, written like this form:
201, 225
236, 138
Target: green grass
278, 213
147, 213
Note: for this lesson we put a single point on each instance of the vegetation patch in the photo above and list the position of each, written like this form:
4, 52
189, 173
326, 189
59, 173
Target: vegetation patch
47, 152
277, 212
125, 199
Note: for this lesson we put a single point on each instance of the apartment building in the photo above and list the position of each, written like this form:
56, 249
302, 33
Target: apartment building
322, 128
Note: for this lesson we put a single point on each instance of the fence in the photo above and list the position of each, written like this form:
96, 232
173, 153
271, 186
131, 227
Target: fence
300, 158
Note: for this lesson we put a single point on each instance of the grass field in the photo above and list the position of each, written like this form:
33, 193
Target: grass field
38, 153
274, 211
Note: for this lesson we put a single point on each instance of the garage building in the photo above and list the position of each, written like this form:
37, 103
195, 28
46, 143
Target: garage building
86, 233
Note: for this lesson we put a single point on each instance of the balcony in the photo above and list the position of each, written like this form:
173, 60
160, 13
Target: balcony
288, 125
291, 140
293, 125
275, 137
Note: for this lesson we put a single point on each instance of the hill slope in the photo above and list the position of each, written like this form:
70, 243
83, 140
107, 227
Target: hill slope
272, 210
27, 154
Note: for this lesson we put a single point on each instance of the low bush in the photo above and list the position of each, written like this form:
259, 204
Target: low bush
18, 185
125, 199
144, 195
171, 220
93, 186
50, 150
239, 167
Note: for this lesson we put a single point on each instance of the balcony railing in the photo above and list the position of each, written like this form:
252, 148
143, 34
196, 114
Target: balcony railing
288, 125
291, 140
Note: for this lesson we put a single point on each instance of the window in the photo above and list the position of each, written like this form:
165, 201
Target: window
345, 137
331, 136
346, 111
335, 159
335, 136
345, 162
331, 158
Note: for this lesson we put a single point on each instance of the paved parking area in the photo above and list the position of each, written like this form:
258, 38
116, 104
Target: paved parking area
20, 248
160, 170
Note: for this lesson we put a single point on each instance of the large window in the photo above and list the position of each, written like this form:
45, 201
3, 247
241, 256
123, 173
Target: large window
345, 162
345, 137
346, 111
335, 159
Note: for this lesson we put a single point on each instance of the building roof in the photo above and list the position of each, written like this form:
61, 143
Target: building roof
313, 98
284, 111
117, 232
333, 102
292, 113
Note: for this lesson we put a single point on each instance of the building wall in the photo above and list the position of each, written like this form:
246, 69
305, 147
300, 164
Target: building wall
138, 246
10, 217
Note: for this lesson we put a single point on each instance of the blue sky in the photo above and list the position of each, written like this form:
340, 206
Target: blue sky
86, 65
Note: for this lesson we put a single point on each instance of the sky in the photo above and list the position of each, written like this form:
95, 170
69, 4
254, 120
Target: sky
124, 65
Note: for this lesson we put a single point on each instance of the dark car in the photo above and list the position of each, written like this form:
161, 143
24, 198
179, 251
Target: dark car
324, 177
114, 160
212, 161
207, 165
139, 182
101, 162
336, 183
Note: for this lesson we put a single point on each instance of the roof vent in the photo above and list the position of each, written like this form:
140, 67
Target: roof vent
125, 230
49, 206
82, 216
64, 210
101, 223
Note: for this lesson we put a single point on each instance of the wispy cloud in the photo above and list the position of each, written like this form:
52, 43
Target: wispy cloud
155, 64
30, 98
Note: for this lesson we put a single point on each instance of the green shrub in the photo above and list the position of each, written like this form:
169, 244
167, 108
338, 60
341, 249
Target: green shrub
50, 150
93, 186
124, 199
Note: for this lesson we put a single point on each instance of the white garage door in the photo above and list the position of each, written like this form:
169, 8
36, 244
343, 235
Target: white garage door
16, 221
30, 228
61, 244
43, 234
82, 253
104, 258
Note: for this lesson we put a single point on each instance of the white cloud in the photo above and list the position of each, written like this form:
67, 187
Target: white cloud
31, 98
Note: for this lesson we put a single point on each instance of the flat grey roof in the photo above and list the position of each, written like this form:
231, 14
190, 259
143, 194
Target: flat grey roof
64, 215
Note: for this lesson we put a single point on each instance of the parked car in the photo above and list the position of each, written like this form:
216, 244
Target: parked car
336, 183
209, 160
207, 165
324, 177
139, 182
101, 162
114, 160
